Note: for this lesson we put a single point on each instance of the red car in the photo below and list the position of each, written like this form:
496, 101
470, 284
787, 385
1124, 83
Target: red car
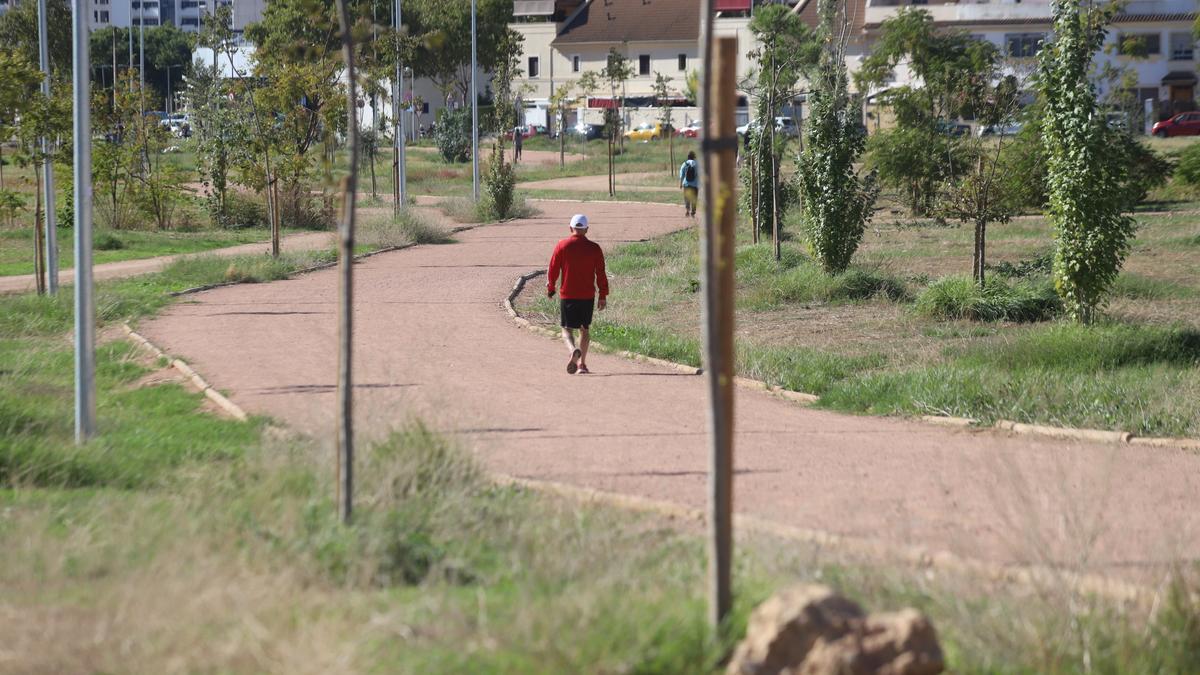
692, 130
1183, 124
526, 132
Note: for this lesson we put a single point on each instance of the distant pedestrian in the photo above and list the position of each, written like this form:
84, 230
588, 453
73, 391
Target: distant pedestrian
580, 261
518, 139
689, 180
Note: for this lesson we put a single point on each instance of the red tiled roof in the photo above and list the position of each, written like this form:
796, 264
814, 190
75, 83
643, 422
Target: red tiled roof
614, 21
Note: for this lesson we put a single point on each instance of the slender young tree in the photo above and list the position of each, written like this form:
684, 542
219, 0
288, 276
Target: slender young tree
1092, 234
587, 85
835, 202
560, 104
616, 72
662, 96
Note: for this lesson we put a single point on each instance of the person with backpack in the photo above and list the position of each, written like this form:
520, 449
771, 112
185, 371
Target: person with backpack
689, 180
518, 139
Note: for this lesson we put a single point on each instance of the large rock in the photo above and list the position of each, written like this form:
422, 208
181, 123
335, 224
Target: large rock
810, 630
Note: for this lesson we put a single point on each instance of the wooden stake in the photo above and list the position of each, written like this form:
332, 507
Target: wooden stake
720, 146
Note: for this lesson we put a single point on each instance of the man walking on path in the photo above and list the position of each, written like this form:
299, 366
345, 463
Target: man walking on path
518, 139
689, 180
580, 261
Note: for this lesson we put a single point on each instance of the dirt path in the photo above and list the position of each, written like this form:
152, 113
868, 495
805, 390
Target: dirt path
434, 342
629, 181
307, 241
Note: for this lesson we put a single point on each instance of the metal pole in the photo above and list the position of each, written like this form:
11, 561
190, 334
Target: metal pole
397, 123
85, 311
400, 117
142, 57
345, 384
47, 163
474, 114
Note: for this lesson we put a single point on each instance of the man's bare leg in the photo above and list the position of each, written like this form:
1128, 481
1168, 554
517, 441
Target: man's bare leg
584, 340
576, 353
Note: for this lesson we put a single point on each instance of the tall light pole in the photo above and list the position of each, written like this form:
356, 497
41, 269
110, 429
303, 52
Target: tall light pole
142, 56
474, 114
397, 124
399, 132
47, 164
85, 310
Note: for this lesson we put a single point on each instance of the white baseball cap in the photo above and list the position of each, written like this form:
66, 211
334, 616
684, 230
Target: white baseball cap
579, 222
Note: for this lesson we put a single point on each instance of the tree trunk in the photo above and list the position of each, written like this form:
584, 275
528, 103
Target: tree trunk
754, 219
980, 262
562, 141
774, 194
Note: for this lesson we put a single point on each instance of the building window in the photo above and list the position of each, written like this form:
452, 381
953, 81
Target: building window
575, 63
1182, 47
1139, 44
104, 16
533, 66
644, 64
1021, 45
189, 21
683, 62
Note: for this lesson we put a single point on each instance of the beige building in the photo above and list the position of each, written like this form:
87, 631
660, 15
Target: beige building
566, 38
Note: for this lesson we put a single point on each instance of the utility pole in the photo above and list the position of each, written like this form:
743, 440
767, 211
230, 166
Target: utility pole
399, 191
47, 163
142, 56
719, 144
474, 113
168, 106
85, 310
345, 382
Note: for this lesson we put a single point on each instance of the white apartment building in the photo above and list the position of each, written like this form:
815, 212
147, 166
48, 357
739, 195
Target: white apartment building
1164, 65
185, 14
565, 38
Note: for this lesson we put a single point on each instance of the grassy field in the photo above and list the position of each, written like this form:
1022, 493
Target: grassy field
877, 339
180, 540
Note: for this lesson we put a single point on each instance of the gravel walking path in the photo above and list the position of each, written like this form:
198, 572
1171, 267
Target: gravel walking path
433, 342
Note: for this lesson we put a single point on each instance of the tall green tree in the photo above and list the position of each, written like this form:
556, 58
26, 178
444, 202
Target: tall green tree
952, 74
440, 31
19, 33
836, 202
19, 80
1092, 234
787, 51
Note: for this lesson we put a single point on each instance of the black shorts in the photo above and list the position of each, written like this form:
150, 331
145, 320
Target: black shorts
576, 313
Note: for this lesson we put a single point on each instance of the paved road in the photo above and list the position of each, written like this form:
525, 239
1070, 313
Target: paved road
307, 241
434, 342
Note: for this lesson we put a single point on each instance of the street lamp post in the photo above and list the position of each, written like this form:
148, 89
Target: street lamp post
85, 310
474, 113
47, 163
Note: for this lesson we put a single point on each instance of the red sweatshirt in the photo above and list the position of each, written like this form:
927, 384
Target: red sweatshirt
581, 262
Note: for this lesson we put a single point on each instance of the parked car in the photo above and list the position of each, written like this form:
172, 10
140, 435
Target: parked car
953, 128
588, 131
783, 125
1001, 129
648, 131
1183, 124
539, 129
692, 130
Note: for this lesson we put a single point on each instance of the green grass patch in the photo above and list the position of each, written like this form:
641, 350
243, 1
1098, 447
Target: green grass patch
960, 298
1137, 287
16, 246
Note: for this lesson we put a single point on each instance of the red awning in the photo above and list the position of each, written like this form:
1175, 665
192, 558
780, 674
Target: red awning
731, 5
602, 103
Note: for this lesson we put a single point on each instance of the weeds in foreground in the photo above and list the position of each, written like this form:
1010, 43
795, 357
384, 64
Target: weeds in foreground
463, 210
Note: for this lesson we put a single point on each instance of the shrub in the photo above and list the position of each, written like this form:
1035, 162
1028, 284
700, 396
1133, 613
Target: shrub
959, 297
453, 134
1188, 168
914, 162
500, 182
1041, 264
241, 211
302, 210
107, 241
407, 228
